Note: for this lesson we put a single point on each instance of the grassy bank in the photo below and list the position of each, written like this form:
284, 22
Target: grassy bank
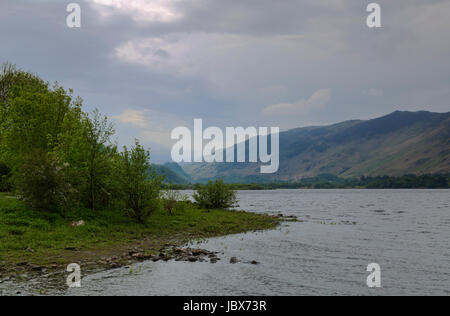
30, 238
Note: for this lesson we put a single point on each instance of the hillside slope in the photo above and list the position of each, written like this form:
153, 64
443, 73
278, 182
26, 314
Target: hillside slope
173, 173
396, 144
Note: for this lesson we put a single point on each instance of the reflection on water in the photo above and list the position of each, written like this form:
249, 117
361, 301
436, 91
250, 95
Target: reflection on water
338, 234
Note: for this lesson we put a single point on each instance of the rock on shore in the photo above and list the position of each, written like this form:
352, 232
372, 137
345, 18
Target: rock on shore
178, 254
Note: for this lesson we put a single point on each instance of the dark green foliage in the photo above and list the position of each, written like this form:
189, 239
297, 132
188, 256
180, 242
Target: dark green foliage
327, 181
5, 175
215, 195
439, 181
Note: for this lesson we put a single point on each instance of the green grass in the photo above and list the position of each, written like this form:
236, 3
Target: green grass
46, 239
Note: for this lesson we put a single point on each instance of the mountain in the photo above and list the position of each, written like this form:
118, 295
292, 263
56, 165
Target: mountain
173, 173
396, 144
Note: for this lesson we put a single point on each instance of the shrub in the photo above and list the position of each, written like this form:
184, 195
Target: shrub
216, 195
42, 183
140, 186
173, 201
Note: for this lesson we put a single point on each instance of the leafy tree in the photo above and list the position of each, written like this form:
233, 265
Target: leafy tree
33, 116
141, 191
32, 112
216, 195
99, 158
42, 182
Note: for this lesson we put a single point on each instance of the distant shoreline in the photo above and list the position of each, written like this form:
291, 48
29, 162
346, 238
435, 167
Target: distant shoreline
431, 181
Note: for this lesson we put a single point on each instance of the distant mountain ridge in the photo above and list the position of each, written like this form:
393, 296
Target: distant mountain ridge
396, 144
173, 173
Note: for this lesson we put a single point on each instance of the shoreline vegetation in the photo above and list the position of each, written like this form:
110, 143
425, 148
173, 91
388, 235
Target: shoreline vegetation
36, 243
429, 181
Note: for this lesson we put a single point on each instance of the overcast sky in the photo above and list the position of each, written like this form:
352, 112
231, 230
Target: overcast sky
152, 65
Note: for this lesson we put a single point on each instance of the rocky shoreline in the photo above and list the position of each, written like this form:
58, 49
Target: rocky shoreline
178, 254
23, 272
53, 277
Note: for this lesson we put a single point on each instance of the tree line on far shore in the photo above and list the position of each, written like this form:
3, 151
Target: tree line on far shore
56, 157
326, 181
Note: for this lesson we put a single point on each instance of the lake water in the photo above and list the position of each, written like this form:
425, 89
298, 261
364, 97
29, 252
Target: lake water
339, 233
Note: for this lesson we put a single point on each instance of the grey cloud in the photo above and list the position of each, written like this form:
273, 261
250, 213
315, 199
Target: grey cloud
225, 61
